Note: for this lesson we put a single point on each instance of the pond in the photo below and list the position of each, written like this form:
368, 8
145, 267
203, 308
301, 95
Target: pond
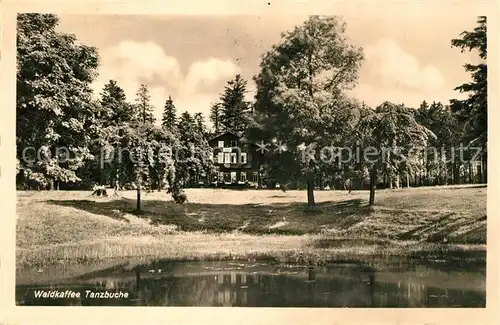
245, 284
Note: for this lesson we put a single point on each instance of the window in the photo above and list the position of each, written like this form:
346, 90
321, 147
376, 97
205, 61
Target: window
233, 158
221, 144
255, 177
243, 158
234, 143
227, 157
220, 158
221, 177
227, 177
233, 177
243, 177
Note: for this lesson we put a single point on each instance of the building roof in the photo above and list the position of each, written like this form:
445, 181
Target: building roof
236, 134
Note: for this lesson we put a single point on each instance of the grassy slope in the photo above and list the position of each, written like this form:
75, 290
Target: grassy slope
59, 226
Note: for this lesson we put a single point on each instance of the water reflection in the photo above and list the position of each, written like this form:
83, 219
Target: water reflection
263, 285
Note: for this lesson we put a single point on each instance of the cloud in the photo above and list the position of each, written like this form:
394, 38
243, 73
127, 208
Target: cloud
251, 91
132, 63
391, 66
207, 73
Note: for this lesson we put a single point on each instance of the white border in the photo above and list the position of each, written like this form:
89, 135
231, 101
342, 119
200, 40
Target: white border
11, 314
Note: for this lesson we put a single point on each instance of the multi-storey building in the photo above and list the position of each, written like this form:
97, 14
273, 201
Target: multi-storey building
237, 160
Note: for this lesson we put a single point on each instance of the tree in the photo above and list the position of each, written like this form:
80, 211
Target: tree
194, 157
390, 136
234, 108
112, 116
440, 120
146, 156
54, 99
169, 114
115, 109
473, 111
144, 112
300, 96
199, 122
215, 116
186, 125
144, 115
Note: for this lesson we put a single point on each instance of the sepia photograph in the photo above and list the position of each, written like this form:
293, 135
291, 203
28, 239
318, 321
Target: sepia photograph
300, 160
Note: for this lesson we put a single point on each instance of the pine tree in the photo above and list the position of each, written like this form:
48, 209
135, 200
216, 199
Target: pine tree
115, 110
169, 114
187, 127
473, 111
194, 157
215, 117
235, 110
112, 115
144, 109
199, 122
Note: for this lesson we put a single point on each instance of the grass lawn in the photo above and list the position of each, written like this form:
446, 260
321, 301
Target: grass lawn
61, 227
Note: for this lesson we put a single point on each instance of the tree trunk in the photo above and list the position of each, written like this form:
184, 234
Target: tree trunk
445, 174
481, 170
138, 198
484, 164
139, 188
408, 179
101, 180
373, 184
453, 173
51, 184
397, 181
471, 173
457, 174
310, 192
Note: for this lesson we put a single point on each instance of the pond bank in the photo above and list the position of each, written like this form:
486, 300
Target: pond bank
307, 249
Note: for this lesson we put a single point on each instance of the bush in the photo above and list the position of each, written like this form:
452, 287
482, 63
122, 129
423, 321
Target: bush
179, 197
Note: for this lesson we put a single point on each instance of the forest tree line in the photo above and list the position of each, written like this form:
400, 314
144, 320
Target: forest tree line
301, 99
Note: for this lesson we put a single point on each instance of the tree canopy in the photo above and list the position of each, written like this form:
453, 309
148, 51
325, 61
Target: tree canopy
300, 91
302, 111
473, 111
54, 100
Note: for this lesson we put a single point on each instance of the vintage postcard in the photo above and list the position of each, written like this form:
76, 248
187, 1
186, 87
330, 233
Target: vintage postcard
252, 162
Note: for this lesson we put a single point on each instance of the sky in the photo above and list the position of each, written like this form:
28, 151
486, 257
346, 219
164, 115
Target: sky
408, 56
